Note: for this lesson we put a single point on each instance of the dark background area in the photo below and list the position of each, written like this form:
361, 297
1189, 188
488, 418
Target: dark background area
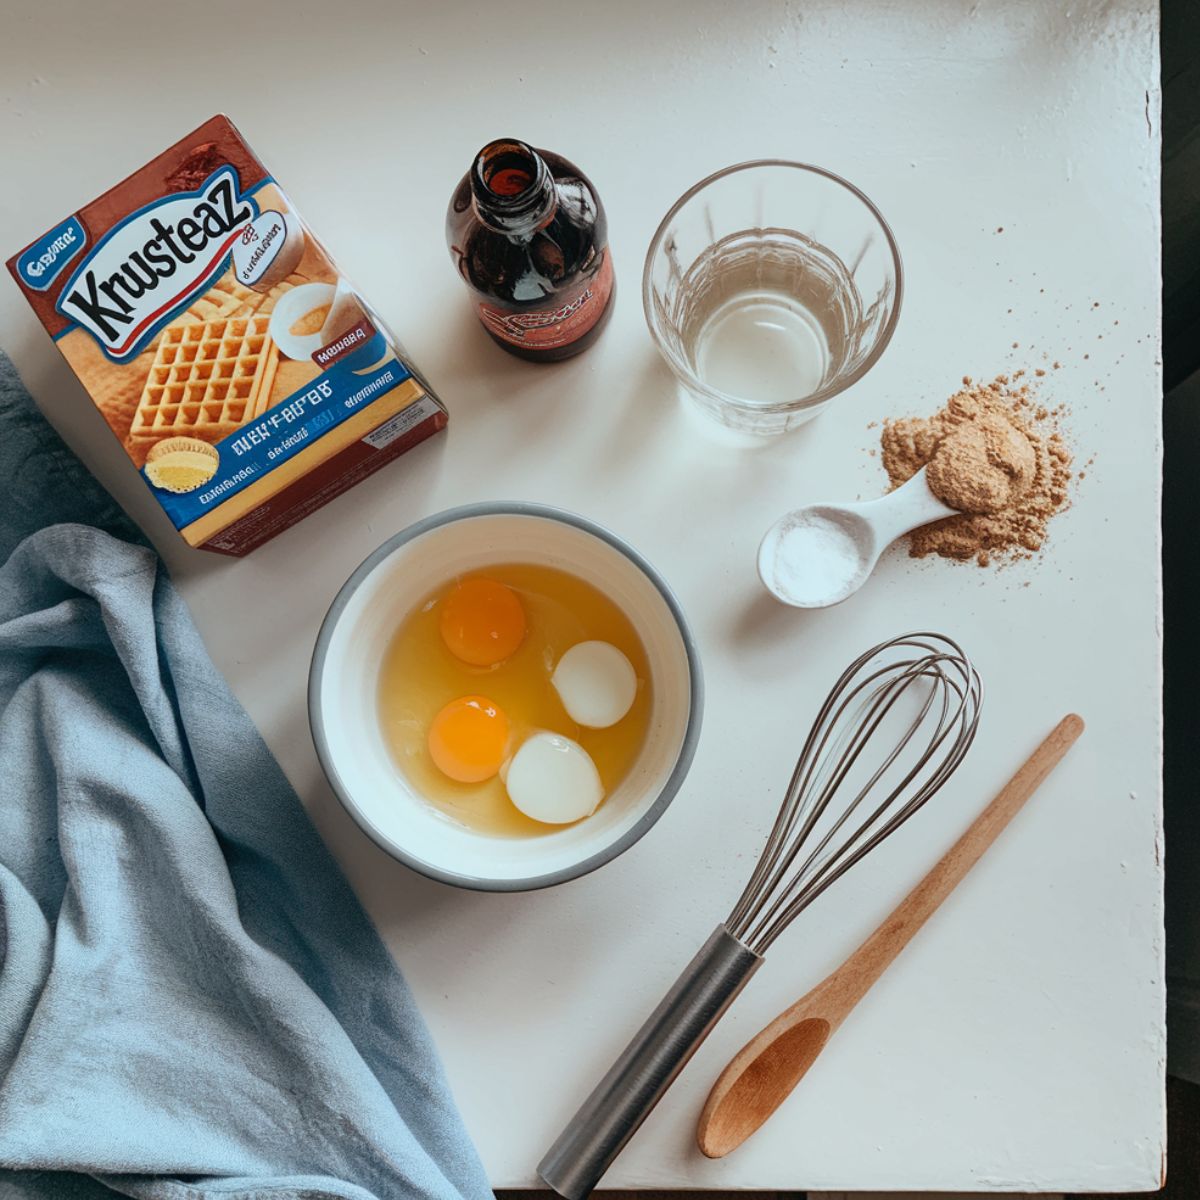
1181, 190
1181, 574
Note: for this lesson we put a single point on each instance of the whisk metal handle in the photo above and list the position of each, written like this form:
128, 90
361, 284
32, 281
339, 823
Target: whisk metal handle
625, 1097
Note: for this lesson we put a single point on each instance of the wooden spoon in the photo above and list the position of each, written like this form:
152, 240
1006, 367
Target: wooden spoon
764, 1072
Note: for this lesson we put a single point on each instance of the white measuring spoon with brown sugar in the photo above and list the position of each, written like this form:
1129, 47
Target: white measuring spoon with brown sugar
819, 555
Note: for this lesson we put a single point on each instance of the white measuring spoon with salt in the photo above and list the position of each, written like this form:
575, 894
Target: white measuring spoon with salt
819, 555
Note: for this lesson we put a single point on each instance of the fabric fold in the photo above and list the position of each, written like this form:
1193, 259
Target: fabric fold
192, 1002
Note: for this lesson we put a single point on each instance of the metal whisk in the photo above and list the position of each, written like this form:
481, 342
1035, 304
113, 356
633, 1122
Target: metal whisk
891, 732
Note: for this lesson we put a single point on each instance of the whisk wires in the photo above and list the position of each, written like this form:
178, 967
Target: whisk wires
865, 708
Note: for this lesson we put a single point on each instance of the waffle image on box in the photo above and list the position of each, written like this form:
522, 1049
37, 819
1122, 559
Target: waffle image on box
207, 380
246, 378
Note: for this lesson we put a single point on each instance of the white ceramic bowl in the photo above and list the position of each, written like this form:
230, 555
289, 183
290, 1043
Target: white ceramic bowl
344, 681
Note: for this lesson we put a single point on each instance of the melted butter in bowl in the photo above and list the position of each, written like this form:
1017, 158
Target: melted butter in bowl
420, 675
373, 712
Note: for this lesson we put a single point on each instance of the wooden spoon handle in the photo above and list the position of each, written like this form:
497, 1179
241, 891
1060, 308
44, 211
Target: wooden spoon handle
764, 1072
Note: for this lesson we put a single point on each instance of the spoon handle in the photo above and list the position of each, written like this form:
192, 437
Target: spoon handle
764, 1072
910, 506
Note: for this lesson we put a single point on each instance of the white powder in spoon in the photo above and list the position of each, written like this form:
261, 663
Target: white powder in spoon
815, 560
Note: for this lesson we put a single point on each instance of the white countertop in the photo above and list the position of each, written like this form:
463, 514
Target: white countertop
1018, 1043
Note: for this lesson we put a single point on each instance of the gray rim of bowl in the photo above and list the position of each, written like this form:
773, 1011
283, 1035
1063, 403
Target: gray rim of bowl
674, 781
689, 379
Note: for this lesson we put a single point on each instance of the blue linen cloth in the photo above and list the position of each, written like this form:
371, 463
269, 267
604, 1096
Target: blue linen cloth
192, 1002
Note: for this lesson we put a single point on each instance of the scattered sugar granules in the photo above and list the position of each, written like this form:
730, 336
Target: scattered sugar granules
993, 452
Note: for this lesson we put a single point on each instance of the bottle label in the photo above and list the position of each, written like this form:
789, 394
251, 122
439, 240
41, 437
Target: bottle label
566, 322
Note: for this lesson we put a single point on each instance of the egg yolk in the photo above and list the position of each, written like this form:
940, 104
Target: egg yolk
482, 622
468, 739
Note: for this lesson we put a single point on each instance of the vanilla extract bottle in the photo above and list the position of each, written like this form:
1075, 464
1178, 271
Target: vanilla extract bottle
529, 237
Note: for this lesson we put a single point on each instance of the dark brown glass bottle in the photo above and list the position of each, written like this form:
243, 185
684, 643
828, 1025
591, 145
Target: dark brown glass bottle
528, 234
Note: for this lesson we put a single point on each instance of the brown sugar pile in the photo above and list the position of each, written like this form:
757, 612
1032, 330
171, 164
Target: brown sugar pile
992, 452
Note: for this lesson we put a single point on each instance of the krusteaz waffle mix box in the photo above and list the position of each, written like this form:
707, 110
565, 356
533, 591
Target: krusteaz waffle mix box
246, 379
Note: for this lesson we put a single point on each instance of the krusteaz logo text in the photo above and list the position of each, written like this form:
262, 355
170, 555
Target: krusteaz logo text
155, 262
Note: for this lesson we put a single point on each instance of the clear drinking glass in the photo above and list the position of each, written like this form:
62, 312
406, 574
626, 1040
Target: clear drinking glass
769, 288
